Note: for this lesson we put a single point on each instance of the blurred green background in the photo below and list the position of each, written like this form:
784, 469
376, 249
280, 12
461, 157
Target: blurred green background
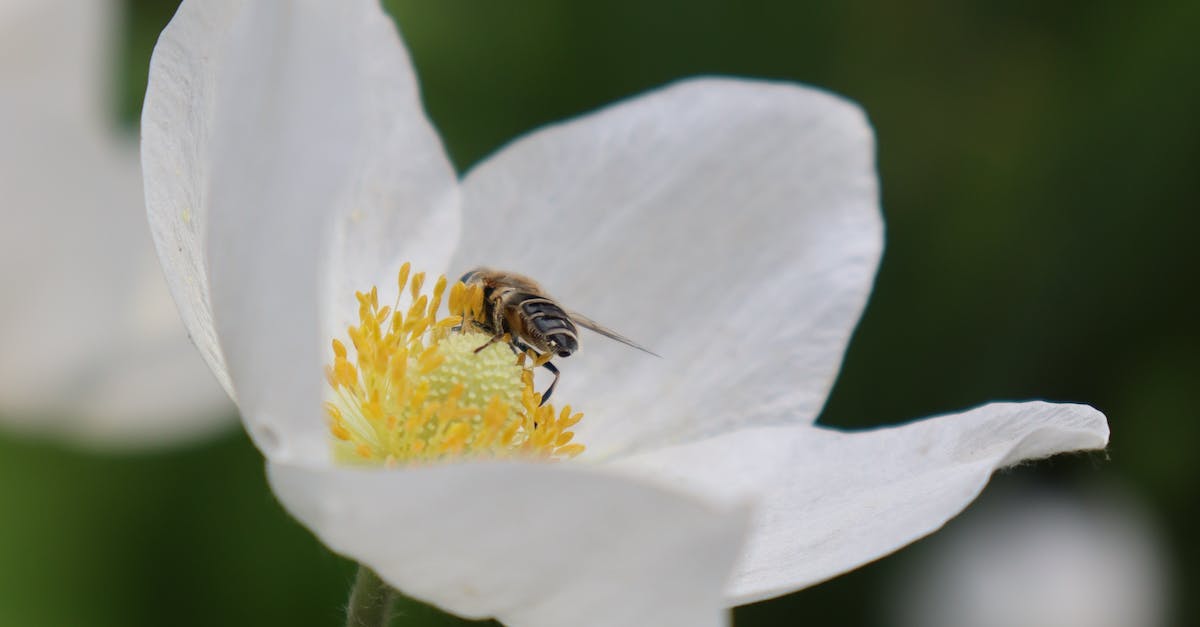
1038, 165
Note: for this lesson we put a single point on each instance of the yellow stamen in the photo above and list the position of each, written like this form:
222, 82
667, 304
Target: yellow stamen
415, 391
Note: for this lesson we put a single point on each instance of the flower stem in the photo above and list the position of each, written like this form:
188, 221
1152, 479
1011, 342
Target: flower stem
371, 601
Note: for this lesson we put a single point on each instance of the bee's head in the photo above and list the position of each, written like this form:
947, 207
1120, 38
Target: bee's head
477, 276
469, 277
562, 344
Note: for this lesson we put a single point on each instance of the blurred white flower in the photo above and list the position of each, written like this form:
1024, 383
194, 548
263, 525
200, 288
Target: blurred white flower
93, 350
1035, 557
731, 224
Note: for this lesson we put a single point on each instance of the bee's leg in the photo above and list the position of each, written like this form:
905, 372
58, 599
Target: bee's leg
550, 390
503, 337
462, 327
521, 347
498, 319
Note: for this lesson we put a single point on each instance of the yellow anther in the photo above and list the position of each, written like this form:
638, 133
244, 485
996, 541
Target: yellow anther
436, 302
448, 323
430, 359
417, 310
402, 279
419, 325
417, 400
569, 451
418, 281
398, 367
567, 423
456, 298
356, 338
346, 374
336, 424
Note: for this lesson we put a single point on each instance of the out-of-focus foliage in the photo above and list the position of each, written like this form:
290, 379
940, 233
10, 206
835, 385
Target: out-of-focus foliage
1038, 177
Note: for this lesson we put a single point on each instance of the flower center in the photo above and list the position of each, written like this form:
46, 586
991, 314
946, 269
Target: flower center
417, 387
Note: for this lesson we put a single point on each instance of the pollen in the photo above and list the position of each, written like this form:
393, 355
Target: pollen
414, 386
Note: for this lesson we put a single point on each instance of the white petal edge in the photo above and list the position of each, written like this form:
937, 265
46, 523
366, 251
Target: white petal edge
241, 94
176, 129
730, 225
828, 501
533, 545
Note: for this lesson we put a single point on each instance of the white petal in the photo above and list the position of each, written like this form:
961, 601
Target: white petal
533, 545
269, 130
404, 201
1039, 558
87, 352
731, 226
829, 501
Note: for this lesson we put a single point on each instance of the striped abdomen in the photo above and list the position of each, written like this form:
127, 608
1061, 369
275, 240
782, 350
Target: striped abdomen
542, 323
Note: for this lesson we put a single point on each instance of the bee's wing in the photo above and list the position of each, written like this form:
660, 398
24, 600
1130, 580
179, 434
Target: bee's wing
588, 323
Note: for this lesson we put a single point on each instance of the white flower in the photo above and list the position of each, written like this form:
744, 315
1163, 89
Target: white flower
731, 224
1041, 558
93, 350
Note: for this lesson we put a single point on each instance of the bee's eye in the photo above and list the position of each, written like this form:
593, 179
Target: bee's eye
468, 277
563, 347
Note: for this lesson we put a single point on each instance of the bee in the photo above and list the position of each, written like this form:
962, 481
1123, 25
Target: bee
517, 307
